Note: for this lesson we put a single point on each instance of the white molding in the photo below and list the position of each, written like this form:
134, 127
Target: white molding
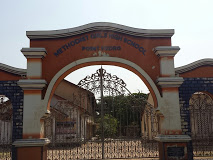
34, 52
173, 138
32, 49
31, 142
102, 26
193, 65
169, 81
164, 51
29, 84
13, 70
101, 59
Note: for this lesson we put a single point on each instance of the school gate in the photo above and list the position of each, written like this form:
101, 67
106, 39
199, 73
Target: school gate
177, 93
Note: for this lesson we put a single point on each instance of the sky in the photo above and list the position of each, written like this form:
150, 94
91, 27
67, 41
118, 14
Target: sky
191, 19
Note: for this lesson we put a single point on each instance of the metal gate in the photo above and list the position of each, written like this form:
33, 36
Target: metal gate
5, 128
201, 118
114, 126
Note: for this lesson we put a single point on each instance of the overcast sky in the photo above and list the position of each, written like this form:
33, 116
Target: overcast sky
191, 19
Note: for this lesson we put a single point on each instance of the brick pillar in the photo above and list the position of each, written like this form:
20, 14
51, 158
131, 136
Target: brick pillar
31, 149
32, 146
173, 145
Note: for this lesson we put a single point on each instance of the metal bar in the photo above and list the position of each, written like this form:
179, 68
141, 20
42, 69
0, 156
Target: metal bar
102, 111
123, 144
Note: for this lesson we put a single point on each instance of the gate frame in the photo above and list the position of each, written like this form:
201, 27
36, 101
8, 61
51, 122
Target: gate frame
167, 94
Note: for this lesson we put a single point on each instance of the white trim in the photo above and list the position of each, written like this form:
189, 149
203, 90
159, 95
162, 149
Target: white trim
101, 59
13, 70
31, 142
102, 26
32, 84
193, 65
173, 138
163, 51
170, 81
32, 49
34, 52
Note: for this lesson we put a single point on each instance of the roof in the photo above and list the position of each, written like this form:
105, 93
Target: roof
70, 83
97, 26
13, 70
193, 65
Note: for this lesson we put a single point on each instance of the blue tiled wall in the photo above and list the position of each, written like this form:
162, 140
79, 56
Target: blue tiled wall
15, 93
189, 87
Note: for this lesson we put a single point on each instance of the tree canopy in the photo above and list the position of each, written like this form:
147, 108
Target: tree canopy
121, 113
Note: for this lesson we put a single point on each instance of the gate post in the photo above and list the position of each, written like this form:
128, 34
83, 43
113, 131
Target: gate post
172, 144
32, 146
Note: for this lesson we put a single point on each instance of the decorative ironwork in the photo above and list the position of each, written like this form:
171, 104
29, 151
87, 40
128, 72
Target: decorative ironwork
112, 85
119, 126
5, 128
201, 118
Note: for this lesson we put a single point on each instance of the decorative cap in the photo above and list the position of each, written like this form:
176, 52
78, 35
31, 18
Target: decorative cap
164, 51
34, 52
170, 81
35, 84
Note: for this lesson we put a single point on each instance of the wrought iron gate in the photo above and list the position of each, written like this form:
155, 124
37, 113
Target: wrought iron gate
201, 118
114, 126
5, 128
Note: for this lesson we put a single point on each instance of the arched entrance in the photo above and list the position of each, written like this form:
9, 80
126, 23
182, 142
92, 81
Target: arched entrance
54, 54
103, 61
201, 107
6, 121
109, 129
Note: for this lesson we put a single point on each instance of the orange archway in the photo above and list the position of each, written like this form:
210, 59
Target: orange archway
103, 61
97, 43
54, 54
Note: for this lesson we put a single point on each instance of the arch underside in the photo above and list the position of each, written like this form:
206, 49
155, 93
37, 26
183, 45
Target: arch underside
101, 61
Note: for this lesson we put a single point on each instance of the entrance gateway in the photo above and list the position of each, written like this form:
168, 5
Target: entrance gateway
55, 54
109, 127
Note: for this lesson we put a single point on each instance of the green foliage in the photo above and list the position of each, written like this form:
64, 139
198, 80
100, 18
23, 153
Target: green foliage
110, 124
121, 112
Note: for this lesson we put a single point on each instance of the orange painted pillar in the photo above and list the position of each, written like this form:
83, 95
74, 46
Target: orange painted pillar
31, 149
172, 144
32, 146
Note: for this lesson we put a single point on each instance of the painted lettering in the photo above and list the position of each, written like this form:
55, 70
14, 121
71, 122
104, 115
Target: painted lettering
116, 37
71, 44
135, 45
90, 48
102, 48
65, 47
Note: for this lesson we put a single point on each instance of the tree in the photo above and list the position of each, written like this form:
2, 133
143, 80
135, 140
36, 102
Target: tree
109, 125
123, 110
